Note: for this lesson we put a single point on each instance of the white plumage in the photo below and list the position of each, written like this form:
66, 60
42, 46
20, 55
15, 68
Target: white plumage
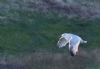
72, 40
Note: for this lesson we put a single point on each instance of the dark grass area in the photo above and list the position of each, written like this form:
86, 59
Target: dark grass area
48, 60
30, 30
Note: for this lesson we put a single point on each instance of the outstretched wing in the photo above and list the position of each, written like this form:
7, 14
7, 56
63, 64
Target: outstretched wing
65, 38
62, 42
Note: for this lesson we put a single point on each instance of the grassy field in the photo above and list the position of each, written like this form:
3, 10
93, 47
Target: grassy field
30, 31
28, 40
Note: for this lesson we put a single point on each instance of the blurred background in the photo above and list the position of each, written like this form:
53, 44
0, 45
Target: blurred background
30, 29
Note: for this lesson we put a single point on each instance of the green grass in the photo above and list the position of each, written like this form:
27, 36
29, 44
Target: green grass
25, 31
28, 31
28, 39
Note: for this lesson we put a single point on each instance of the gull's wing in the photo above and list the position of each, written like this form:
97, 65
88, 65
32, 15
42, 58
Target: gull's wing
62, 42
65, 38
74, 45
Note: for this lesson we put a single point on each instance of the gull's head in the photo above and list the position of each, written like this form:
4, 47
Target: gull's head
73, 53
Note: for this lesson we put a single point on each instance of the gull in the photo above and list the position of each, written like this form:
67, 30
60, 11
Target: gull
72, 40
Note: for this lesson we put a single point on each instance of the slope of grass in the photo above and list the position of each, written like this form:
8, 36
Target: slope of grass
27, 31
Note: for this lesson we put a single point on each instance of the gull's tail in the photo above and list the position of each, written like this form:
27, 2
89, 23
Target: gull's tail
83, 41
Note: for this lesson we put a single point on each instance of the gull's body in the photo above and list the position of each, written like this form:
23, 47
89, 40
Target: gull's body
72, 40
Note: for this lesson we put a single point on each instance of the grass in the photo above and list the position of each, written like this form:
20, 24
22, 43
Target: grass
32, 36
25, 31
46, 60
